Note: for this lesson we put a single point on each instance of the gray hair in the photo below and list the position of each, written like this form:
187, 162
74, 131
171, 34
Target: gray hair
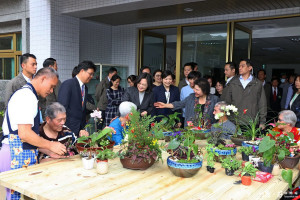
221, 104
126, 107
53, 109
289, 117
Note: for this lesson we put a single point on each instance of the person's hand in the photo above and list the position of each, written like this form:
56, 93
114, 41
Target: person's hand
262, 126
159, 105
54, 155
83, 133
58, 148
144, 113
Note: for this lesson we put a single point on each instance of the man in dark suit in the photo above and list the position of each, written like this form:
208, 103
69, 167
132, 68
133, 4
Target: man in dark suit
261, 75
29, 66
275, 99
100, 94
73, 96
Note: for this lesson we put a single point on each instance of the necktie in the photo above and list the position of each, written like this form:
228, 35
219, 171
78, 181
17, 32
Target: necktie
274, 95
82, 94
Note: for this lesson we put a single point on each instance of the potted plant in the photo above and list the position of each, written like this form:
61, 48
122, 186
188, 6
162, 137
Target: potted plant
140, 148
247, 173
87, 146
231, 164
169, 124
246, 152
185, 158
251, 131
210, 158
102, 160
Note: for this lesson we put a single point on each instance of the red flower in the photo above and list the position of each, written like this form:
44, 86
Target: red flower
152, 124
122, 125
245, 110
132, 130
130, 113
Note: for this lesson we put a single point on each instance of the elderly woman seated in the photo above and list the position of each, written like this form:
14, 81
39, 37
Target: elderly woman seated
53, 129
119, 123
223, 125
286, 124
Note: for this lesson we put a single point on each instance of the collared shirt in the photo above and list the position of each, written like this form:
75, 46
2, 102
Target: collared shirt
245, 82
264, 82
187, 81
229, 80
276, 90
288, 96
80, 84
26, 78
108, 79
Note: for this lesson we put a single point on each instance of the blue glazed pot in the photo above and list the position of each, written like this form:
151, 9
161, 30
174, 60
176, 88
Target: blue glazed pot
250, 145
226, 152
167, 133
185, 170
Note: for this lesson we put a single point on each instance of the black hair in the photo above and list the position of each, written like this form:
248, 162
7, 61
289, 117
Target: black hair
194, 75
203, 85
148, 79
193, 64
231, 65
132, 78
166, 73
75, 71
262, 70
158, 70
248, 61
144, 67
48, 72
112, 70
221, 81
275, 78
85, 65
173, 76
189, 64
48, 62
25, 57
114, 78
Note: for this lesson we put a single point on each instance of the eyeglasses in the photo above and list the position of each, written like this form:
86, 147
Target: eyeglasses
91, 74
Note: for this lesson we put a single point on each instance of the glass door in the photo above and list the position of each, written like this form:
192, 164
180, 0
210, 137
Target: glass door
241, 43
153, 50
7, 68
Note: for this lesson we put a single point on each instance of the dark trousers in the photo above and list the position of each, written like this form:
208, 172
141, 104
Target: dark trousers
102, 122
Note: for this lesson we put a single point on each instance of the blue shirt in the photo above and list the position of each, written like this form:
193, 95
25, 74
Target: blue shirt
185, 92
245, 82
118, 136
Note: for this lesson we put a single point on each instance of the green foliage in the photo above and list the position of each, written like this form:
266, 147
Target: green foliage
169, 122
210, 155
231, 163
105, 154
215, 138
246, 150
287, 175
250, 129
142, 134
249, 169
97, 139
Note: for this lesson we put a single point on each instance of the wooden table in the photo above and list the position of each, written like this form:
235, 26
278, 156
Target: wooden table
66, 179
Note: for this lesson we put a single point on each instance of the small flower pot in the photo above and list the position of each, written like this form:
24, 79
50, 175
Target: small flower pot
229, 172
289, 162
246, 180
245, 157
254, 160
184, 170
102, 166
263, 168
88, 163
210, 169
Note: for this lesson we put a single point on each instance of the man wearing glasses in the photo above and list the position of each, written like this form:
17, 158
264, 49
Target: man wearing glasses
72, 95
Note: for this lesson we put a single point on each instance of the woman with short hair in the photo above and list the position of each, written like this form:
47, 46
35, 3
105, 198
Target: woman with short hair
157, 78
141, 94
201, 98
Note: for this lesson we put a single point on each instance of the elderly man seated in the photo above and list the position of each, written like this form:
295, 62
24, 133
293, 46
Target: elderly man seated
119, 123
286, 124
223, 125
53, 129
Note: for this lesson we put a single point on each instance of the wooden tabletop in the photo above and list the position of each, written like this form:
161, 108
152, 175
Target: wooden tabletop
66, 179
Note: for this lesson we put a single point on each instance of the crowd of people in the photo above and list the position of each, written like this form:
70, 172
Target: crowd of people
43, 115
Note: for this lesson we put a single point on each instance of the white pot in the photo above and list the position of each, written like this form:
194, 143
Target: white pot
88, 163
102, 166
254, 160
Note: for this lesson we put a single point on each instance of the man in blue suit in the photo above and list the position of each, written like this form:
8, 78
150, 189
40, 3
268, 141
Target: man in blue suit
72, 95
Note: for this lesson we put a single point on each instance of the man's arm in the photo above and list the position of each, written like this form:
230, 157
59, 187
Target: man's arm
28, 135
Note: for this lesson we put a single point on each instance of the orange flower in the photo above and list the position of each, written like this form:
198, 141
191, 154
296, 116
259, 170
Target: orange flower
132, 130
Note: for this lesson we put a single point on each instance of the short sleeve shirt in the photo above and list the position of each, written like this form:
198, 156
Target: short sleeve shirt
22, 109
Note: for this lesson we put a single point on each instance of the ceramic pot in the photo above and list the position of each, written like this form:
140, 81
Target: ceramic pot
229, 172
224, 153
201, 134
263, 168
82, 150
142, 165
245, 157
254, 160
88, 163
210, 169
246, 180
289, 162
276, 170
237, 141
185, 170
102, 166
244, 144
